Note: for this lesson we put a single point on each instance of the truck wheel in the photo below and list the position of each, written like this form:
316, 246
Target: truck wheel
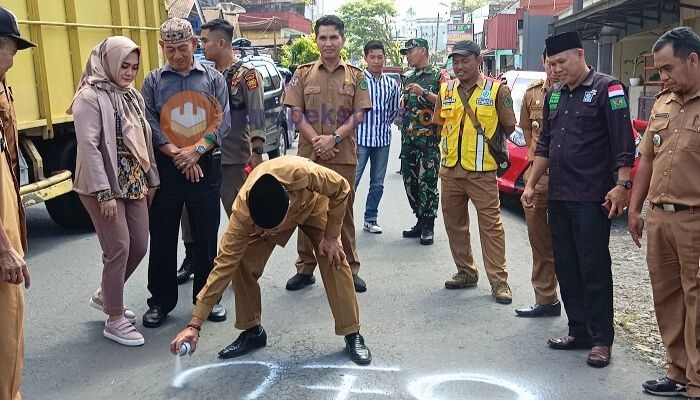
282, 144
67, 211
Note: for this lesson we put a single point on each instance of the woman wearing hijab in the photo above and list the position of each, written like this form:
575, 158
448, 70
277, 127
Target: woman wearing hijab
115, 175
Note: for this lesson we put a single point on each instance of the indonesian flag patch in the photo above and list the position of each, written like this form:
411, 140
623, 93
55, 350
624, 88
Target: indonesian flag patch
616, 90
616, 94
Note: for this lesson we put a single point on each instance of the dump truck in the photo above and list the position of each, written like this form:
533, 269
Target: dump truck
44, 80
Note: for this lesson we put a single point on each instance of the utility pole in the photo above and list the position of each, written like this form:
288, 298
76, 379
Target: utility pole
437, 34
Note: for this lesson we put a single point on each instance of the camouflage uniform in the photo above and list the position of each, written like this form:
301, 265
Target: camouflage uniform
420, 155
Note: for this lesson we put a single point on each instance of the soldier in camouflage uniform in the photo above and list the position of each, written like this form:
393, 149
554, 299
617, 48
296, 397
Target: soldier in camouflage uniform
420, 155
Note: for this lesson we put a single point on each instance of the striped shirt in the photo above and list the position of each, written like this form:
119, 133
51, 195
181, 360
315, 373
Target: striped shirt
375, 129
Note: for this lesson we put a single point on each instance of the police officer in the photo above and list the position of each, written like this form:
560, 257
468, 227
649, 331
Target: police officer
328, 99
279, 196
247, 109
13, 233
190, 174
247, 122
420, 156
544, 280
668, 177
587, 143
471, 110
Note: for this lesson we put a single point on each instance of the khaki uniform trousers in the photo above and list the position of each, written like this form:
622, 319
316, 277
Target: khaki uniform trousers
306, 262
544, 279
11, 296
338, 283
673, 252
458, 187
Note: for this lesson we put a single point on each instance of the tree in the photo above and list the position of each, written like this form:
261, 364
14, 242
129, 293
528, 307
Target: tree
366, 20
303, 50
467, 5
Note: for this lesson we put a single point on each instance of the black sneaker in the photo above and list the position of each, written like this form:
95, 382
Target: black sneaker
665, 387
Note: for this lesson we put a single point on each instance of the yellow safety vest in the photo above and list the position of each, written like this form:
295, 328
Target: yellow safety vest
459, 139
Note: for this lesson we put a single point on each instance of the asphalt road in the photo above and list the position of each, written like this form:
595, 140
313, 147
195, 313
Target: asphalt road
427, 342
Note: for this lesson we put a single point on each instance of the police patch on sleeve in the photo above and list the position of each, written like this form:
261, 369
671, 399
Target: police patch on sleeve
251, 81
294, 81
363, 84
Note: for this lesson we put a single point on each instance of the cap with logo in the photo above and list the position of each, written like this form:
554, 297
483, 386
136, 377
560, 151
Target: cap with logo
562, 42
10, 28
176, 30
465, 48
416, 42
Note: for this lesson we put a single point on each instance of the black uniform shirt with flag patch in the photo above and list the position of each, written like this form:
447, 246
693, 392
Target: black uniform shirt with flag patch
587, 135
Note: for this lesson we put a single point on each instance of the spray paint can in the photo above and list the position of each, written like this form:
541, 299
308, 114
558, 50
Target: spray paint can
185, 349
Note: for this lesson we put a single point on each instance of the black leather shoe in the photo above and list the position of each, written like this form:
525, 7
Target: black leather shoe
357, 349
248, 340
154, 317
217, 314
540, 310
414, 232
360, 285
186, 270
300, 281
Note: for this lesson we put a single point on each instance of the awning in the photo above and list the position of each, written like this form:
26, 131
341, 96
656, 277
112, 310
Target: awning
628, 16
266, 42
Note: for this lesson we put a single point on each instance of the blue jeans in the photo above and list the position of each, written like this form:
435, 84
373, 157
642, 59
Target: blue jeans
378, 158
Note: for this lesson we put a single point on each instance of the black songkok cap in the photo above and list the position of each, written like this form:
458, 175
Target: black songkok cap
268, 202
563, 42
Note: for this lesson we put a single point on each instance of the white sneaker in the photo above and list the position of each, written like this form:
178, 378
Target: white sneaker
123, 332
97, 303
372, 227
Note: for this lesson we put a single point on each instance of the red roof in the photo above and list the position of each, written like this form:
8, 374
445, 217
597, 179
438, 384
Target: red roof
545, 7
274, 20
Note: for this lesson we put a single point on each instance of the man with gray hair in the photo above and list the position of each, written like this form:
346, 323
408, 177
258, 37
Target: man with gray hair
667, 176
188, 110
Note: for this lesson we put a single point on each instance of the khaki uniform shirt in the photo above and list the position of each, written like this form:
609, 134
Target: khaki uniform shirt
317, 198
12, 220
672, 142
531, 114
327, 99
246, 99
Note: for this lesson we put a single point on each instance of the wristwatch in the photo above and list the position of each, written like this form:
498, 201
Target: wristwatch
336, 138
426, 93
626, 184
258, 150
201, 149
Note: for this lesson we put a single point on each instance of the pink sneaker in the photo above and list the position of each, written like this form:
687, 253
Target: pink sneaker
122, 332
97, 303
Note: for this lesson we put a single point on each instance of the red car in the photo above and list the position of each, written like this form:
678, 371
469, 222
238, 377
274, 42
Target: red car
512, 180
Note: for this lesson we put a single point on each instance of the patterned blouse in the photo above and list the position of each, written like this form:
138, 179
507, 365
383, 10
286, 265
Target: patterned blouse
131, 176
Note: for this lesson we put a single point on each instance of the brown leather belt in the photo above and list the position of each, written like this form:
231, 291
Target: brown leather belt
671, 208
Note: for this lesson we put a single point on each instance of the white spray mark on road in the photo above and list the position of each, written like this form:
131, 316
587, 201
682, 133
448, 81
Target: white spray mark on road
345, 389
273, 372
423, 388
356, 367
